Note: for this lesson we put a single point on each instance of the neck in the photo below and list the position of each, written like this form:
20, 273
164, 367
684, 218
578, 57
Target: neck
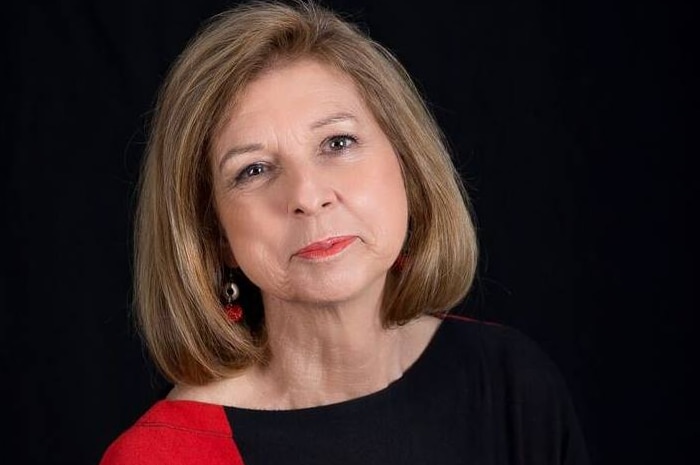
327, 354
320, 356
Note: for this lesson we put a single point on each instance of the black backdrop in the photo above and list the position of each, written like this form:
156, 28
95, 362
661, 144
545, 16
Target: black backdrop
567, 121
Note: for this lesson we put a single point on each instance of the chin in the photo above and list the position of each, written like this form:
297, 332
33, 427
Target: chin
337, 288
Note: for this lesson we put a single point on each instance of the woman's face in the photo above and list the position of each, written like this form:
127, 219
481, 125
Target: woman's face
308, 188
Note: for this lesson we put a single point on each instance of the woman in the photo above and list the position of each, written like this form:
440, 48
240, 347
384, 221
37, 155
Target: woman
302, 235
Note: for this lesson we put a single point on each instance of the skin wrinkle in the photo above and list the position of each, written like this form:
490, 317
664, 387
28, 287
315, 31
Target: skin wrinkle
178, 237
322, 316
304, 183
256, 147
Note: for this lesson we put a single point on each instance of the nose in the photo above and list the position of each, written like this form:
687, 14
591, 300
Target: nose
309, 192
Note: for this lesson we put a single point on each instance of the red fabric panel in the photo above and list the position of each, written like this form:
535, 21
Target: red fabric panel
175, 433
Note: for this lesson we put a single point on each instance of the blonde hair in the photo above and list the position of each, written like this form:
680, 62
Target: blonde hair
178, 272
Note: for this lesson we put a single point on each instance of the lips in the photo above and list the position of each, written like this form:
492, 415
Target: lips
326, 248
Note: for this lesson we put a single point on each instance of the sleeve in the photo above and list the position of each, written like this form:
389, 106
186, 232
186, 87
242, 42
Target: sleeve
136, 447
176, 433
540, 423
168, 445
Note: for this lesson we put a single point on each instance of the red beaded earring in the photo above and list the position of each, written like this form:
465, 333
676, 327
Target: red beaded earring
233, 311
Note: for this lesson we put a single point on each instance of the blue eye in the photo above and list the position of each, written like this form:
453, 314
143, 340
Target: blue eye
339, 143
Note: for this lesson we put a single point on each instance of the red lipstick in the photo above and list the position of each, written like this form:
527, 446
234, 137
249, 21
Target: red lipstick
326, 247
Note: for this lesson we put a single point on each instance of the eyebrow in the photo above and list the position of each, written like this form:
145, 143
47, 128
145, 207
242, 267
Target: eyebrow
232, 152
335, 118
332, 119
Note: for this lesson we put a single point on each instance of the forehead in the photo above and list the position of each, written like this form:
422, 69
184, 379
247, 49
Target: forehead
294, 93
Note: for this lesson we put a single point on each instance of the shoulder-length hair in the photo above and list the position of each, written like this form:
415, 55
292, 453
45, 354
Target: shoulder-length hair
179, 263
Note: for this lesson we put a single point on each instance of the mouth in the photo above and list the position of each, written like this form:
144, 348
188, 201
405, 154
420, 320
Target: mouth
325, 248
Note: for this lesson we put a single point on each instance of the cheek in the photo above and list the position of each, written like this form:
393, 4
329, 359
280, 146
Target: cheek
397, 208
386, 202
254, 239
241, 231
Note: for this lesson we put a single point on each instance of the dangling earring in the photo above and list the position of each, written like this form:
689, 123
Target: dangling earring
234, 312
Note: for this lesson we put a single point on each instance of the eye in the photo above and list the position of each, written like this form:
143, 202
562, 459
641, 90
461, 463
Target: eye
339, 143
251, 171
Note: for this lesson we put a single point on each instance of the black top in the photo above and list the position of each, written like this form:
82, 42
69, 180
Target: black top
479, 394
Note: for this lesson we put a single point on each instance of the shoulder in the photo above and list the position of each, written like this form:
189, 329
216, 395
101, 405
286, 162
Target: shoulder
493, 340
503, 364
518, 387
176, 432
504, 348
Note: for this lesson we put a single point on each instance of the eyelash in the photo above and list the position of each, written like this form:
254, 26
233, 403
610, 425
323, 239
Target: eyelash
349, 137
245, 174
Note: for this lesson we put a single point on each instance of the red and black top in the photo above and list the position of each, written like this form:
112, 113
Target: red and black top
479, 394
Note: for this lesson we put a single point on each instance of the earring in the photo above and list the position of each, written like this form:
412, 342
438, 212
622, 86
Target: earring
233, 311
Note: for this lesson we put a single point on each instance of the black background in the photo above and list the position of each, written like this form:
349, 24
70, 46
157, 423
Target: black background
570, 122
